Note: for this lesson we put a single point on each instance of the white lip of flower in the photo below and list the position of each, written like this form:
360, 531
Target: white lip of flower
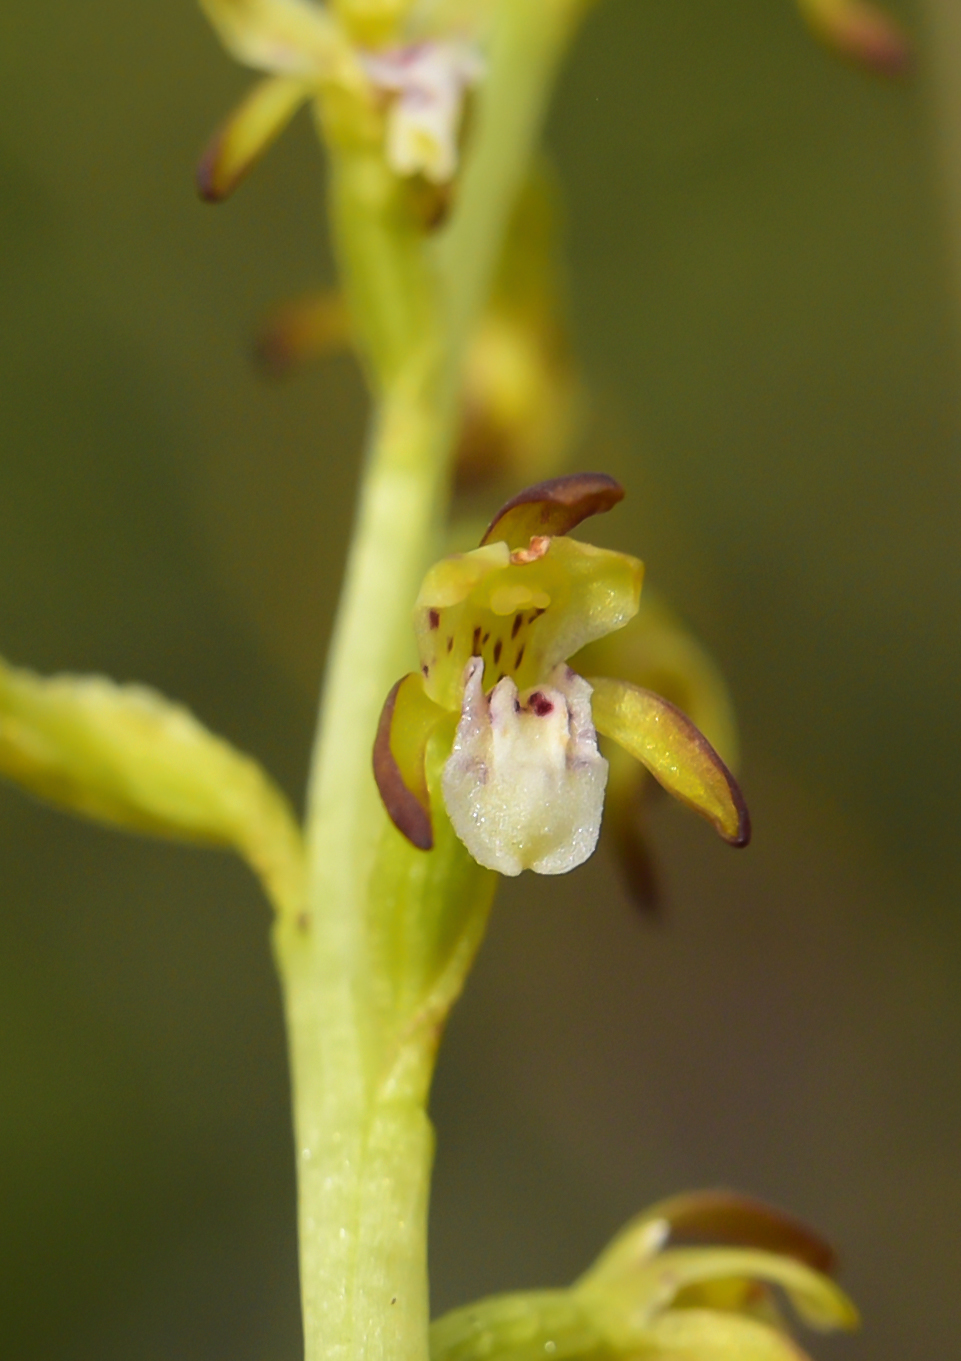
524, 784
429, 80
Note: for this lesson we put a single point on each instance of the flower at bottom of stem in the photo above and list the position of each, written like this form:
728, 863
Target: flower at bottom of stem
524, 783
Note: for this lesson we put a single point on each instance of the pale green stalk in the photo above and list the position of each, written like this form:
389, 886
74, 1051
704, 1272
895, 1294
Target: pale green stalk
371, 966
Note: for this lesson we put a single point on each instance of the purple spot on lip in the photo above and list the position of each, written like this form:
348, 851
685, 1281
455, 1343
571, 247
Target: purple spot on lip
540, 704
434, 618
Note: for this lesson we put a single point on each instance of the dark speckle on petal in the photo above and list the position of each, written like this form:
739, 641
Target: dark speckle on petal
434, 618
498, 649
520, 656
516, 627
450, 643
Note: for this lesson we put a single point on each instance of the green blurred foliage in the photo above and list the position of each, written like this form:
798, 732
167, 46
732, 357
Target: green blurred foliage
760, 291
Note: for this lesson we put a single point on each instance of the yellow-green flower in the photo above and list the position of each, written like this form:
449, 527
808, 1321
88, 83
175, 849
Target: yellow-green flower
691, 1279
523, 781
372, 74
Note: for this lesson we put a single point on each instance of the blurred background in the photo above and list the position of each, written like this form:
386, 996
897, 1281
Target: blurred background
760, 252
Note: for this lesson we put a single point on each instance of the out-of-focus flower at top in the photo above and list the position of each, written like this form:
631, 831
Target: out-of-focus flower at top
523, 781
405, 91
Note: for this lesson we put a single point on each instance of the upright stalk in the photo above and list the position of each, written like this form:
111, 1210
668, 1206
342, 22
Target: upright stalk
362, 1055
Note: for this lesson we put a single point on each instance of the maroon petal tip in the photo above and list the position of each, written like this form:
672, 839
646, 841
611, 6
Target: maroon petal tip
553, 507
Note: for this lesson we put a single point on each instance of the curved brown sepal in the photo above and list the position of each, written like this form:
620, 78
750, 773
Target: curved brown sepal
740, 1221
409, 815
553, 507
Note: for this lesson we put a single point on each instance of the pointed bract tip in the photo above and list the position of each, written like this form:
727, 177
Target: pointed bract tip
553, 507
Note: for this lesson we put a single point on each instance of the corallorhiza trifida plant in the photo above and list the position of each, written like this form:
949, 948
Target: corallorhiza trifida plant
463, 702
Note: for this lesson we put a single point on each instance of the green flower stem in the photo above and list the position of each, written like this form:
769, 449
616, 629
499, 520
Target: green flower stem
372, 964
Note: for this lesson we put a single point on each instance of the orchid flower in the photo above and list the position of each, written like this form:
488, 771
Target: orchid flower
408, 92
523, 781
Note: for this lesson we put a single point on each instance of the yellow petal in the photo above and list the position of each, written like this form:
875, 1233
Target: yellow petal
859, 31
127, 756
289, 37
678, 756
252, 127
406, 722
521, 613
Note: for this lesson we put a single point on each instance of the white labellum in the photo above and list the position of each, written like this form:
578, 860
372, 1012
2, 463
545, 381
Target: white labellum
429, 81
524, 784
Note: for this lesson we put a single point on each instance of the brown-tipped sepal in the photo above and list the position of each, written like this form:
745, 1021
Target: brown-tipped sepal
717, 1216
253, 126
406, 722
678, 755
553, 507
307, 328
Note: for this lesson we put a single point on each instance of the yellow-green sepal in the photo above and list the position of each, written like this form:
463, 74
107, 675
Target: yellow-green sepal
125, 755
253, 126
408, 718
676, 753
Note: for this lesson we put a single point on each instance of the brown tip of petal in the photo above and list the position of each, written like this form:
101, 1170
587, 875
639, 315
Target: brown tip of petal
553, 507
212, 185
404, 809
307, 328
726, 1217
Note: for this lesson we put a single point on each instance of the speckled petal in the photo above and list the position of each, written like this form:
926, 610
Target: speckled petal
522, 613
678, 756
